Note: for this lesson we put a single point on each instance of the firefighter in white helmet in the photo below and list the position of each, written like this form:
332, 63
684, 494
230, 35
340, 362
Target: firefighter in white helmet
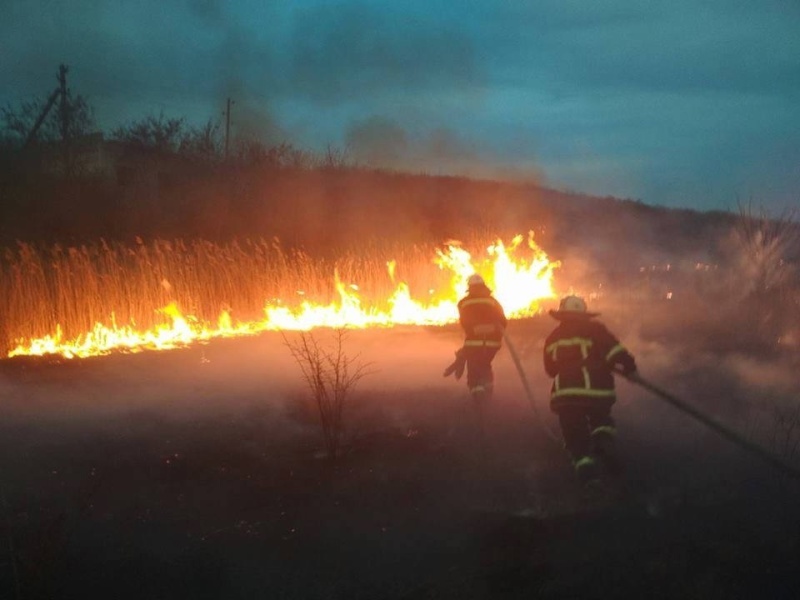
484, 321
580, 355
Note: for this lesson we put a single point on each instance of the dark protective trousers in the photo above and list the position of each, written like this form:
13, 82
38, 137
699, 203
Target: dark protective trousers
479, 367
589, 434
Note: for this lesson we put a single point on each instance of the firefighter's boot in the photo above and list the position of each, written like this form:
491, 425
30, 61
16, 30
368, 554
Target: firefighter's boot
604, 450
587, 471
482, 393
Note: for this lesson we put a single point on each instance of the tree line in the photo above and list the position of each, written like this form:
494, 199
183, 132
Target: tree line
53, 190
75, 120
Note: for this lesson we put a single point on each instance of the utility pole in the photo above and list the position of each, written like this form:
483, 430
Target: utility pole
228, 125
64, 118
63, 108
61, 91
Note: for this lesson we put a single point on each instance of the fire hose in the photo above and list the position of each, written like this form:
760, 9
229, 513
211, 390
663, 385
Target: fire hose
711, 423
715, 425
528, 392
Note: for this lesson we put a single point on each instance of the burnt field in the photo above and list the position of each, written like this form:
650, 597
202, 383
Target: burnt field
201, 473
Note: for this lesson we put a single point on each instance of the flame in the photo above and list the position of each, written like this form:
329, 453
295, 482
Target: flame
519, 284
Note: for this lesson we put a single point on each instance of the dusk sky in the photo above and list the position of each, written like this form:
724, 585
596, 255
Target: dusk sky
683, 103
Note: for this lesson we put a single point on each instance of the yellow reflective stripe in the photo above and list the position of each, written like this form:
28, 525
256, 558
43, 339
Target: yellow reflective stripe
605, 429
614, 351
471, 301
587, 383
584, 343
489, 343
585, 461
556, 383
582, 392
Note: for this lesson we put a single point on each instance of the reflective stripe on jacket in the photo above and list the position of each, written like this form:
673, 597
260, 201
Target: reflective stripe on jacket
482, 318
579, 355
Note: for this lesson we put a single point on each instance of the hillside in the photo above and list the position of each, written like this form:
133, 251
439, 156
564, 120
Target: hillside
151, 195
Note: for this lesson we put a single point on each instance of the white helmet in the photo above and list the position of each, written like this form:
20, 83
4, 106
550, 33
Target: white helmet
572, 307
572, 304
475, 280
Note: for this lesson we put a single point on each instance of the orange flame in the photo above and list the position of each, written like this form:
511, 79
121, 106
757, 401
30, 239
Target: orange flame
518, 284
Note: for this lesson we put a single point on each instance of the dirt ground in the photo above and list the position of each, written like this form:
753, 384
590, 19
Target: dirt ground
199, 473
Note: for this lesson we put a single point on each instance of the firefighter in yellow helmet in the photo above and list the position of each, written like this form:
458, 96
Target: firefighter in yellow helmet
484, 321
580, 355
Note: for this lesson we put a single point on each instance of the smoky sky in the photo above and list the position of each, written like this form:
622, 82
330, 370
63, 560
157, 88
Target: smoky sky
682, 104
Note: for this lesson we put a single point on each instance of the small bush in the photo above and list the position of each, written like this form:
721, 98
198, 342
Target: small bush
331, 375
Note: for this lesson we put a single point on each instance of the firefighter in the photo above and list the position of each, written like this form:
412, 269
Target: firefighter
579, 355
484, 321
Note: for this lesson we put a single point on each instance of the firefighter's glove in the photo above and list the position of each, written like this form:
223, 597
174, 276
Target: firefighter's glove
628, 368
629, 372
457, 366
632, 374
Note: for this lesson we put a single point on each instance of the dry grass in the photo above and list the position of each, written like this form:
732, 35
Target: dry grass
76, 287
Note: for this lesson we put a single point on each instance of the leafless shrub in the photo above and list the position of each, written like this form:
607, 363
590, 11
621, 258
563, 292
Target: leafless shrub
785, 435
331, 375
768, 243
776, 428
770, 249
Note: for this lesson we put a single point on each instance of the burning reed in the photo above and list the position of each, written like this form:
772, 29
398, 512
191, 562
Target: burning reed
71, 293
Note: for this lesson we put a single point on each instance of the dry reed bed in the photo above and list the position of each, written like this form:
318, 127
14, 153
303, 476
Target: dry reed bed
76, 287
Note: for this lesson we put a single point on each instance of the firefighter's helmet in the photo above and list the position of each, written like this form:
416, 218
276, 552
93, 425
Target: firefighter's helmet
475, 280
572, 307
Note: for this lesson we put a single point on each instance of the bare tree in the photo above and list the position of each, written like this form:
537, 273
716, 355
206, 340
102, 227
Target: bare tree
335, 158
17, 122
331, 375
287, 156
251, 152
768, 243
770, 248
203, 143
152, 133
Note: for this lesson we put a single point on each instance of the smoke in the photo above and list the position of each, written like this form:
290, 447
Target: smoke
307, 75
338, 51
251, 388
383, 142
226, 376
252, 120
378, 142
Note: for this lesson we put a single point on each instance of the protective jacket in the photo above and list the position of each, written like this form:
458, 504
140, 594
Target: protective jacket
579, 355
482, 318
